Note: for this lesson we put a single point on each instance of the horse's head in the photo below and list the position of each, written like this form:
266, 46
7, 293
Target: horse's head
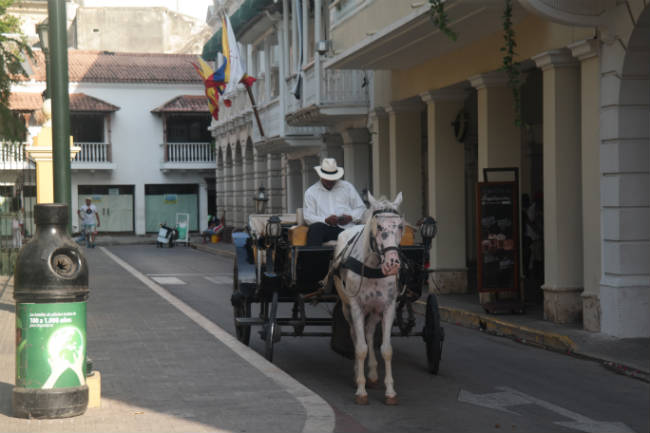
386, 226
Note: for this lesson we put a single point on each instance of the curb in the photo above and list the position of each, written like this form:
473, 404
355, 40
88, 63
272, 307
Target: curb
218, 252
526, 335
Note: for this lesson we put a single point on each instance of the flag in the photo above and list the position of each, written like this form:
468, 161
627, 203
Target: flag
235, 72
214, 84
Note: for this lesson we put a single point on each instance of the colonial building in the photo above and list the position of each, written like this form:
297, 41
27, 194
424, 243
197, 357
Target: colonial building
382, 86
141, 121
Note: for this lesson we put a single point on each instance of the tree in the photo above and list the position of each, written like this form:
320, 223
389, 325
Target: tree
13, 49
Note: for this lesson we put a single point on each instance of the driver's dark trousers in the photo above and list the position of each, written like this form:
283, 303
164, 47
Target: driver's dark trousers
320, 233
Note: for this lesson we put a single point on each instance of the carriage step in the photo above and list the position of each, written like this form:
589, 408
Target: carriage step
245, 321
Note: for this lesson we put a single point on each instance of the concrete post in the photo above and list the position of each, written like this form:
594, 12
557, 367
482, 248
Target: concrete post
248, 183
356, 151
274, 176
220, 178
379, 138
446, 189
562, 187
309, 175
227, 183
295, 188
238, 187
499, 140
405, 148
588, 52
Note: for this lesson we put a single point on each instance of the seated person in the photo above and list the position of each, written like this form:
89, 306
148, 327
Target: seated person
331, 204
214, 228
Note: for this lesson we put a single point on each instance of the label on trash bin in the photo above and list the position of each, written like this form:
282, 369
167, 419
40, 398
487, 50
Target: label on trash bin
51, 345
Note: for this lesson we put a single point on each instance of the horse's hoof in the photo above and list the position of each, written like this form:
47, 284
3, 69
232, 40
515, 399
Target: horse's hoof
361, 400
391, 401
372, 384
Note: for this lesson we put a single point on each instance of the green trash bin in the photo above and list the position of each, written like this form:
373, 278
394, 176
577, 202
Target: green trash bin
51, 290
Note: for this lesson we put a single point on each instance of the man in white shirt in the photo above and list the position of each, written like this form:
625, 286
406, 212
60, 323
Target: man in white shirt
331, 204
89, 221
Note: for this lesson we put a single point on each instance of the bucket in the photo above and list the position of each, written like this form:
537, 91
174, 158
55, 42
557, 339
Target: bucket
214, 239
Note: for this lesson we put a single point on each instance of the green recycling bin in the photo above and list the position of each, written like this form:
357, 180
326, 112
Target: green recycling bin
51, 290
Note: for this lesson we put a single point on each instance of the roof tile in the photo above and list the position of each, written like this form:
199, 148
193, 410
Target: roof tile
184, 104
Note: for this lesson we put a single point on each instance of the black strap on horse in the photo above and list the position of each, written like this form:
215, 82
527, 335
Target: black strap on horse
360, 269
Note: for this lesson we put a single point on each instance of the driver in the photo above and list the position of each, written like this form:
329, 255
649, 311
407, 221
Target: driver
331, 204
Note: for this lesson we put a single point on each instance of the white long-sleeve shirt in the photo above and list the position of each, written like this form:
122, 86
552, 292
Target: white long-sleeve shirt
342, 199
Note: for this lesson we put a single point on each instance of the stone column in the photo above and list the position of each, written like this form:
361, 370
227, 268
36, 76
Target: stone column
260, 172
356, 151
587, 52
309, 175
220, 176
294, 185
249, 183
562, 187
379, 137
446, 177
227, 188
203, 204
274, 176
238, 188
499, 140
405, 146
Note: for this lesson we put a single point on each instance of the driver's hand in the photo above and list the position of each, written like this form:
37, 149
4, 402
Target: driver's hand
345, 220
332, 220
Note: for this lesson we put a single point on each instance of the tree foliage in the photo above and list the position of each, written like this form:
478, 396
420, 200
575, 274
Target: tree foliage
13, 49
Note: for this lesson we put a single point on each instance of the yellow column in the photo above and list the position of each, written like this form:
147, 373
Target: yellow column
499, 140
446, 189
41, 152
405, 148
588, 52
562, 187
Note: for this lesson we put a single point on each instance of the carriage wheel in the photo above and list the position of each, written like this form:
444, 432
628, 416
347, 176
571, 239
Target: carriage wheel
241, 309
433, 334
271, 329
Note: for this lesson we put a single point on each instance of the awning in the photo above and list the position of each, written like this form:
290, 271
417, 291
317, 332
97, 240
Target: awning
242, 16
80, 102
21, 101
184, 104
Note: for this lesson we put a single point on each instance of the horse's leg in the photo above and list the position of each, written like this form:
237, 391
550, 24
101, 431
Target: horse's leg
360, 351
387, 353
371, 325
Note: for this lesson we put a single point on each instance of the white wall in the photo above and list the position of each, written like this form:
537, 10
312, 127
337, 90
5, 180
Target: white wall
136, 138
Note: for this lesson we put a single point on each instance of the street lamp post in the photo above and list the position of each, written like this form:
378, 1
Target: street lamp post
260, 199
44, 37
58, 42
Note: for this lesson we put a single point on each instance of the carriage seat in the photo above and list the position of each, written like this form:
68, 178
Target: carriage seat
298, 233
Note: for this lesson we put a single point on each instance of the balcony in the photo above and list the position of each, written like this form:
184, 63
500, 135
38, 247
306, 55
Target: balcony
188, 156
93, 156
12, 157
329, 96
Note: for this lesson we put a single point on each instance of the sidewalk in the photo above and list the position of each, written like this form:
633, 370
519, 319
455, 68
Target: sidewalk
629, 356
164, 367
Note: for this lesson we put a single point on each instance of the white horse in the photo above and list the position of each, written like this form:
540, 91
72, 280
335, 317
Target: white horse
367, 264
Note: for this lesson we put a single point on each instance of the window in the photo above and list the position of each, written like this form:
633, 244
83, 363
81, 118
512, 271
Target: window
87, 128
188, 129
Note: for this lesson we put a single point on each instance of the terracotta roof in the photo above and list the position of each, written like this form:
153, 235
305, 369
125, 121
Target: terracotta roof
109, 67
184, 104
19, 101
83, 102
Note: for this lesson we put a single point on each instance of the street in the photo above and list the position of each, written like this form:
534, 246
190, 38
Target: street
485, 383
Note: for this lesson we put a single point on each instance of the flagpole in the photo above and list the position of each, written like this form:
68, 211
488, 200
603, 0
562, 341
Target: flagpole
257, 115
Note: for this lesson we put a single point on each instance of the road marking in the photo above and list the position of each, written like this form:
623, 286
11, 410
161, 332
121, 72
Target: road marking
171, 281
220, 279
320, 415
511, 397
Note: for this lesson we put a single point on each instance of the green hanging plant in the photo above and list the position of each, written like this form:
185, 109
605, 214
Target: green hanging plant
440, 18
510, 67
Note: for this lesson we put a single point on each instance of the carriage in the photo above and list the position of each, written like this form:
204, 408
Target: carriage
274, 266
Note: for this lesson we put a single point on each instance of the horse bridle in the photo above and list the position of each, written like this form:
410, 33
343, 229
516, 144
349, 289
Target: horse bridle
373, 242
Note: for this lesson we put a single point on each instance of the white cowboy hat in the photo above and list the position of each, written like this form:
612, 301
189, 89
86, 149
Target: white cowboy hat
328, 169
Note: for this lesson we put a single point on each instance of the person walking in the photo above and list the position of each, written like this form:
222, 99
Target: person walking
89, 221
